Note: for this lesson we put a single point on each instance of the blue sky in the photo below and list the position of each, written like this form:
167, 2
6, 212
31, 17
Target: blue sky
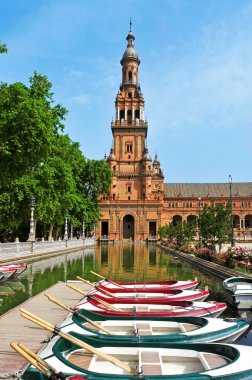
195, 75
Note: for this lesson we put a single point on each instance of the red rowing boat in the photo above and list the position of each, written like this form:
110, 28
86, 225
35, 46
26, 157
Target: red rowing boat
144, 287
171, 309
154, 298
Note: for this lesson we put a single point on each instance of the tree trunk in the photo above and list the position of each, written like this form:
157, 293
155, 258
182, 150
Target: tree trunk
50, 232
57, 233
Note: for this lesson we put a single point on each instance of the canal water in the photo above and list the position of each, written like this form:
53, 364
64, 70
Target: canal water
119, 262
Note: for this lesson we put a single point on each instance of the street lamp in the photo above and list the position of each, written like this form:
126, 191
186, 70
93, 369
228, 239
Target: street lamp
31, 233
199, 199
71, 234
83, 228
66, 232
94, 231
232, 242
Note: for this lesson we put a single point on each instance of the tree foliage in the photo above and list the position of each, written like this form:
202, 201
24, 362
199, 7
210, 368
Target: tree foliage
3, 48
180, 233
214, 223
28, 125
36, 158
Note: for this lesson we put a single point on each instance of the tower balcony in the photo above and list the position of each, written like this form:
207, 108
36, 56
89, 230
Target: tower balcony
127, 123
130, 83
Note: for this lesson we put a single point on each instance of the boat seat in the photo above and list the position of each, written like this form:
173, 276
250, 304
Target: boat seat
142, 308
151, 369
150, 363
143, 329
145, 332
143, 326
211, 361
243, 287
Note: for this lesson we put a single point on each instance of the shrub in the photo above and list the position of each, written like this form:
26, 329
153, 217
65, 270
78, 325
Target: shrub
205, 253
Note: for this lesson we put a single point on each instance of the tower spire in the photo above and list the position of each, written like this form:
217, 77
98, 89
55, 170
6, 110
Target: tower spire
130, 25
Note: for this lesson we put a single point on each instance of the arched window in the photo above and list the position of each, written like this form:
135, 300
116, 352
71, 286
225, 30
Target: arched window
129, 116
130, 76
137, 117
122, 116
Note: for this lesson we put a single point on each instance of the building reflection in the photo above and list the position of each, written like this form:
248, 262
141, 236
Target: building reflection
124, 261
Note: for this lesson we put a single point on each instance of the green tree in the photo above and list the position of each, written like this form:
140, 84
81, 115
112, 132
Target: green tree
28, 124
223, 223
214, 224
3, 48
36, 158
95, 179
180, 233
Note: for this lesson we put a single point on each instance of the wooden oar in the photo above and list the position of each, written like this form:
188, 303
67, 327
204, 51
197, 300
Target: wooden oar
94, 298
30, 360
57, 302
26, 314
103, 278
94, 286
40, 361
98, 275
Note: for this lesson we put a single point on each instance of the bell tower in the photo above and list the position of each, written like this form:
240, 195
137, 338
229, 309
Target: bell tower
135, 182
129, 129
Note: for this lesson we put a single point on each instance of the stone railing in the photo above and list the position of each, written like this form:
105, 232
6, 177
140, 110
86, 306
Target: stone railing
19, 249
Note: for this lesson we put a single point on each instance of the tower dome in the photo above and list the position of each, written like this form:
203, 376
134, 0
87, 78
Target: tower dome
156, 162
130, 52
146, 155
112, 156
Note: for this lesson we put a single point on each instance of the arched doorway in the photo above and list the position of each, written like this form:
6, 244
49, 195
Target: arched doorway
236, 221
176, 219
192, 219
248, 221
128, 227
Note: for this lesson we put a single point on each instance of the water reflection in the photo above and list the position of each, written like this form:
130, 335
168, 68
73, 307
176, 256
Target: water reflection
119, 262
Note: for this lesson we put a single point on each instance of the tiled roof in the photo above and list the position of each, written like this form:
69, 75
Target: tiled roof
211, 190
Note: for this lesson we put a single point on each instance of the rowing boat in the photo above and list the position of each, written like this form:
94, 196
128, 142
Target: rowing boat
144, 298
173, 309
239, 292
173, 361
167, 330
152, 286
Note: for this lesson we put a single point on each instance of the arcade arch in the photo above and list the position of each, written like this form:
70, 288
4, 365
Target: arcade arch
176, 219
128, 227
248, 221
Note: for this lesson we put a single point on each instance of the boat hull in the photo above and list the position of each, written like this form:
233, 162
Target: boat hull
166, 330
161, 298
173, 309
149, 287
174, 361
238, 292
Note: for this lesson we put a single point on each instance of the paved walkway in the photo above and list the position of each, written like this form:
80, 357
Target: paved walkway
14, 328
30, 251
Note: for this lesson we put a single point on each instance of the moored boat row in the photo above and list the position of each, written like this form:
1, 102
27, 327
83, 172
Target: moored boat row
106, 337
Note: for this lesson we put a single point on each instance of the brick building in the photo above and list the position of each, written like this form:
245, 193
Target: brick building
139, 201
